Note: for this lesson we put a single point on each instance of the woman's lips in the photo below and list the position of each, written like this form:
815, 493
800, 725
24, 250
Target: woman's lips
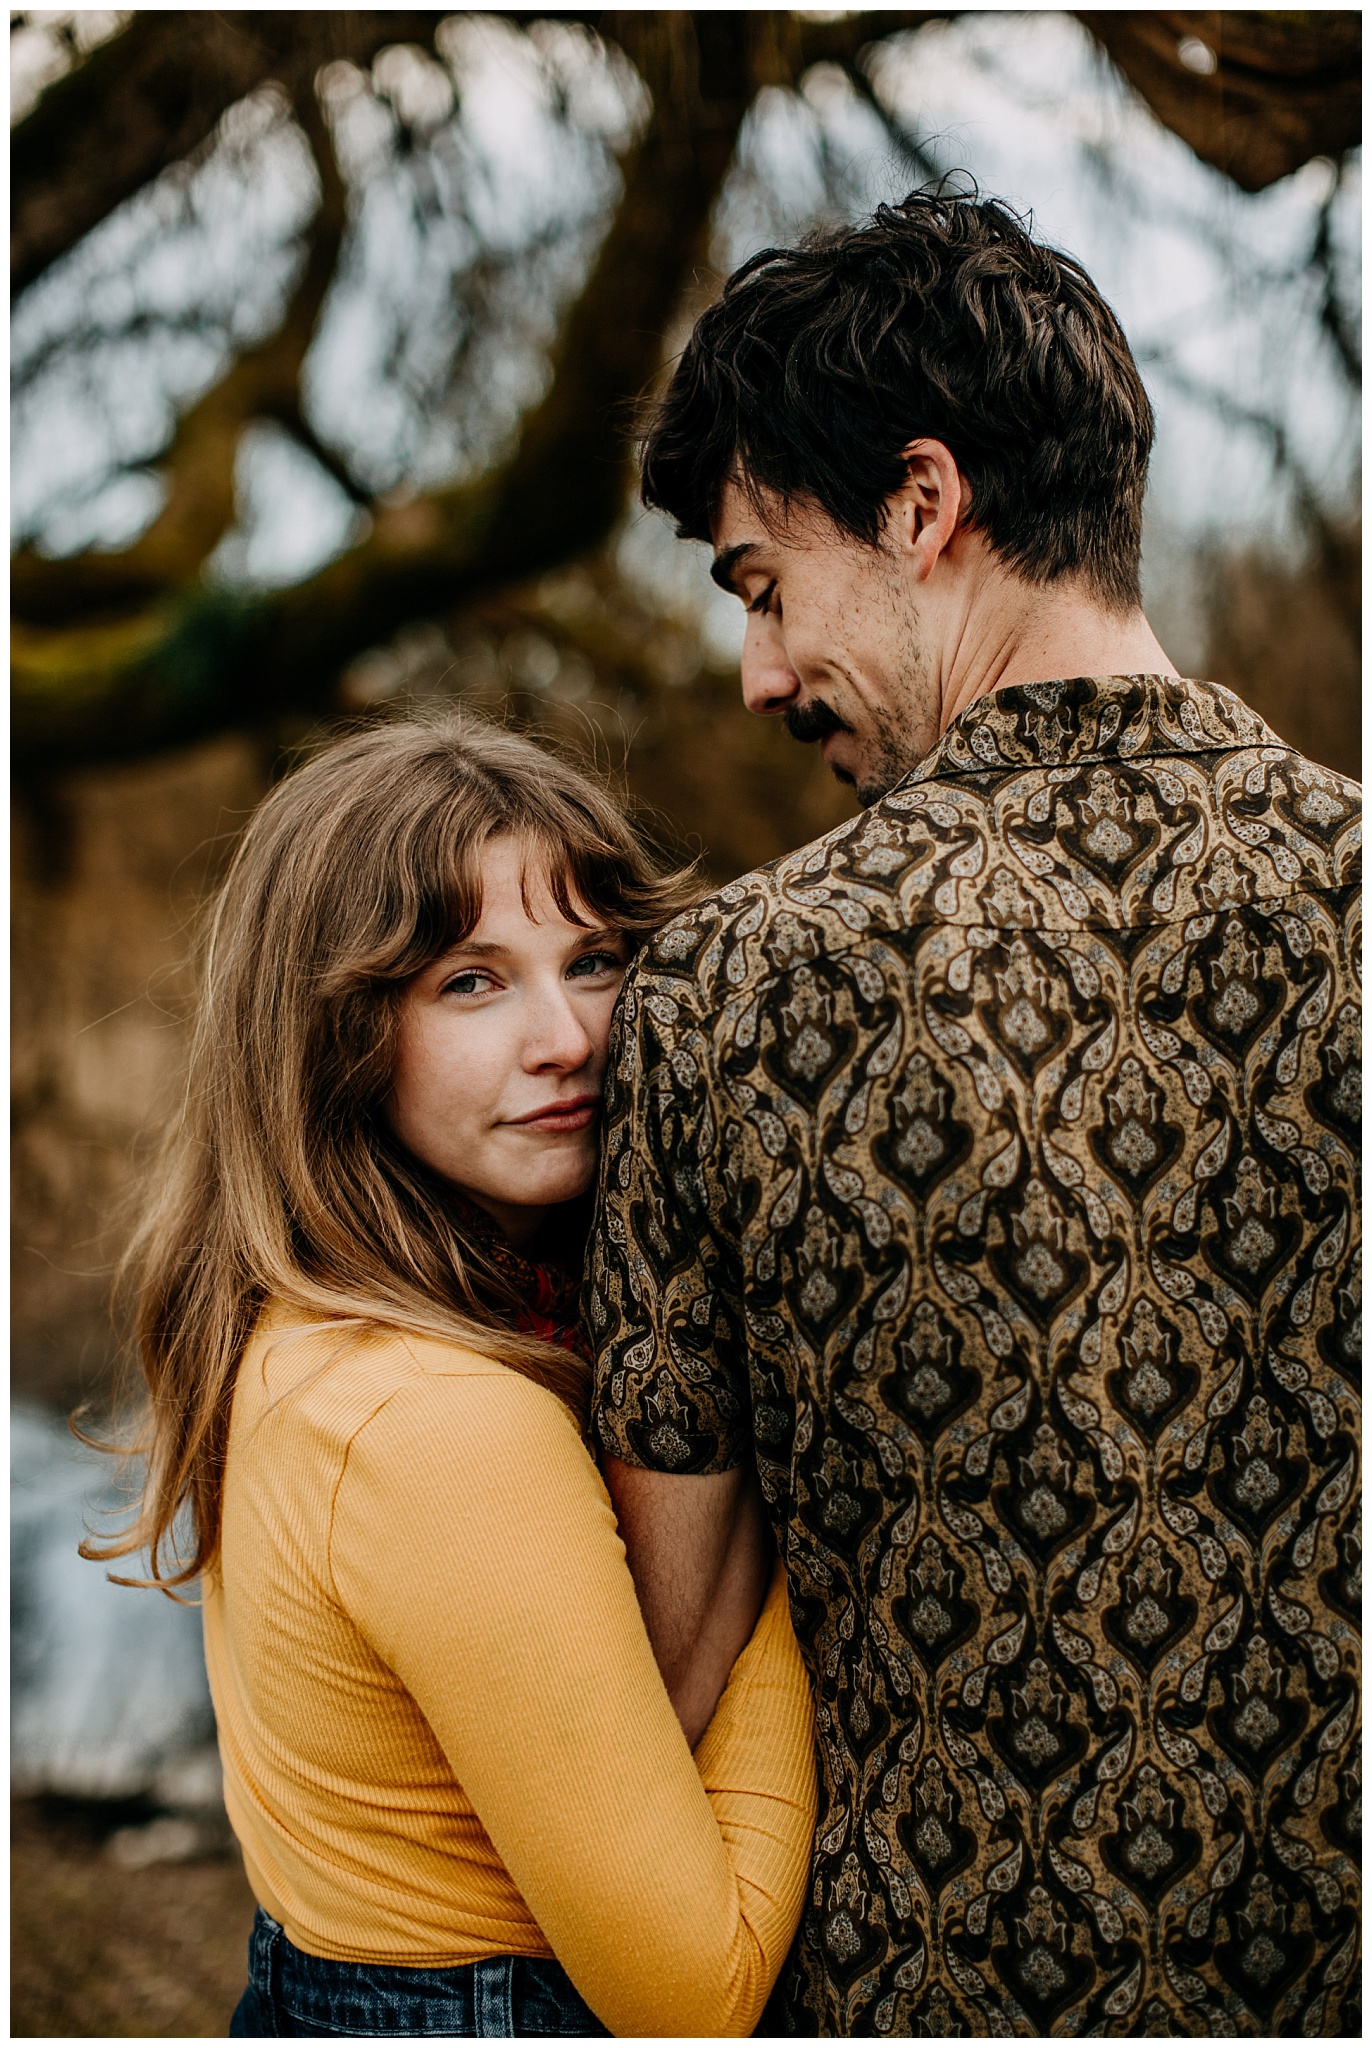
574, 1115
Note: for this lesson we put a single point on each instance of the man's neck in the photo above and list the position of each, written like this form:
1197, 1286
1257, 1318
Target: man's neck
1027, 634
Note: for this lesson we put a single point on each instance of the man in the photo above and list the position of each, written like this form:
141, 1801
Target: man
983, 1177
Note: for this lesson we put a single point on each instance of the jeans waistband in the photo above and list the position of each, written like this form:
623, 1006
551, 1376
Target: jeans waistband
497, 1997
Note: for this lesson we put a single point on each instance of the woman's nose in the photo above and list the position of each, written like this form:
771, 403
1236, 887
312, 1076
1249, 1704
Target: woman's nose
769, 681
557, 1035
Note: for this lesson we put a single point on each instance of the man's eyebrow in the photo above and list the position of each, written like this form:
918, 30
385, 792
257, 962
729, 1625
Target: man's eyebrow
723, 566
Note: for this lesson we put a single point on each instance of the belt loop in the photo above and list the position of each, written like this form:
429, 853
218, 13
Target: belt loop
274, 1961
265, 1970
263, 1944
493, 1986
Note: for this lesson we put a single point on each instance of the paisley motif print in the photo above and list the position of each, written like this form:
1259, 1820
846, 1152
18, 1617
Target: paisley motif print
987, 1171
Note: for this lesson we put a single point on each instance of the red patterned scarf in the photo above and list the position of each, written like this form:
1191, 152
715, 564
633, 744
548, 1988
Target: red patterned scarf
548, 1287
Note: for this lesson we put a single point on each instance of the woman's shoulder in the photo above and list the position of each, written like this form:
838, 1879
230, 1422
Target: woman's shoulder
288, 1338
336, 1374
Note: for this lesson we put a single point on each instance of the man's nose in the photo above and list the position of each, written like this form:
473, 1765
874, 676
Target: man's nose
770, 683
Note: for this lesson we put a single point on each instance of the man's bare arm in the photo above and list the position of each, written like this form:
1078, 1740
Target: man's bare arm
701, 1552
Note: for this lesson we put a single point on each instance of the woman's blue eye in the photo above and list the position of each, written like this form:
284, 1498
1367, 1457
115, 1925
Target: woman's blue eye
464, 984
595, 963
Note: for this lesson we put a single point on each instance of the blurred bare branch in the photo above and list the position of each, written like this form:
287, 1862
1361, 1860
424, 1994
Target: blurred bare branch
913, 152
199, 659
150, 97
1335, 318
119, 652
261, 383
1254, 94
1330, 538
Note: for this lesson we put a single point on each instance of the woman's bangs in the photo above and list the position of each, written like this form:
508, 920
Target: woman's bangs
570, 873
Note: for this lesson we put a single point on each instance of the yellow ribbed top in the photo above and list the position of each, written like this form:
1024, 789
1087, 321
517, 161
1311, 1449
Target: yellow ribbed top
444, 1735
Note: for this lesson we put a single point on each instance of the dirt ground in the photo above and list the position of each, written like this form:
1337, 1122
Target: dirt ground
98, 1950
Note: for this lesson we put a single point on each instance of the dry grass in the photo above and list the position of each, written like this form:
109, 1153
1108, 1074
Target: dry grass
99, 1951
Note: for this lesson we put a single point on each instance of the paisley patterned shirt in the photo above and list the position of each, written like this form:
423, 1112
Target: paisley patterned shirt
987, 1170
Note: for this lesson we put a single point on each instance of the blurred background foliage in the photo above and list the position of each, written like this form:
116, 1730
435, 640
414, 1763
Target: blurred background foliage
328, 330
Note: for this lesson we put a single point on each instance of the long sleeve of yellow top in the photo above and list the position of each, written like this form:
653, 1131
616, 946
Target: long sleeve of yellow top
444, 1734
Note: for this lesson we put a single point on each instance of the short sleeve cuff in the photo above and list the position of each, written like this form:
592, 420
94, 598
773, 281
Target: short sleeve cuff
659, 1437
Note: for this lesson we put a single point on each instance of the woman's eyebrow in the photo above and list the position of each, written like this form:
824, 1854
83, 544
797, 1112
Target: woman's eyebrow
483, 949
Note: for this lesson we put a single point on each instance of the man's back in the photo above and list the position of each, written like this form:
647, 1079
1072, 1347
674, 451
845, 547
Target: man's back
989, 1171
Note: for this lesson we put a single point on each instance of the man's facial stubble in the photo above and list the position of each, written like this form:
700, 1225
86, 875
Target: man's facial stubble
887, 721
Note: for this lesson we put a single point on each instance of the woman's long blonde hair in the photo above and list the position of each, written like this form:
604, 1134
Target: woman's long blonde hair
280, 1176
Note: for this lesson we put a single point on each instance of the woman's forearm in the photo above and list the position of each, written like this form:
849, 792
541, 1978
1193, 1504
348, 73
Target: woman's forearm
668, 1888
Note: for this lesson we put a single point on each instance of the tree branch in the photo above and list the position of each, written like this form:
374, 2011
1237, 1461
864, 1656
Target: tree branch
1335, 543
262, 383
1334, 316
198, 659
193, 660
1283, 88
150, 97
909, 146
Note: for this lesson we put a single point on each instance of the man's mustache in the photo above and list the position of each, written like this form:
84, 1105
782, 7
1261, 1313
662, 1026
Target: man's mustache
813, 721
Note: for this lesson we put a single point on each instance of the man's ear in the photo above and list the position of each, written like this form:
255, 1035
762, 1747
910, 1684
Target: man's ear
926, 512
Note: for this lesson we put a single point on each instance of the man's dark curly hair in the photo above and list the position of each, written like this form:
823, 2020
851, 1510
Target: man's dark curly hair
939, 317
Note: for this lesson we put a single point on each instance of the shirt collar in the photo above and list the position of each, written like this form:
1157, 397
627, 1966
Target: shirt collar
1092, 718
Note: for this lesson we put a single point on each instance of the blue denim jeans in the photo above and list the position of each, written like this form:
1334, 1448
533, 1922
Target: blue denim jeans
292, 1993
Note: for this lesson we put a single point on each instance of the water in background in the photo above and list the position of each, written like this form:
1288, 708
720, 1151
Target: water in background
108, 1686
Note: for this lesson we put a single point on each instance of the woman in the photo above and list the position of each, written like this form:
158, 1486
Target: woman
448, 1755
